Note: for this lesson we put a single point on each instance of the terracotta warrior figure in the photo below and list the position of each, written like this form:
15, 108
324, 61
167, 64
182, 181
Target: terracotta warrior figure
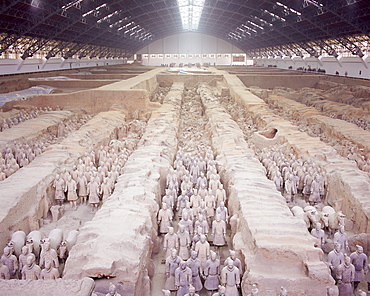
105, 190
22, 259
187, 222
220, 195
71, 189
59, 186
211, 273
201, 222
359, 261
254, 291
10, 261
164, 219
192, 291
4, 272
319, 234
182, 279
341, 238
172, 263
202, 249
335, 258
219, 231
112, 291
82, 187
223, 212
236, 261
221, 291
48, 254
184, 242
93, 193
195, 265
49, 272
230, 278
346, 277
170, 242
31, 271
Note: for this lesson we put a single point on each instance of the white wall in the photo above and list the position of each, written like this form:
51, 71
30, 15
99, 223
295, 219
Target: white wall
353, 65
190, 48
16, 66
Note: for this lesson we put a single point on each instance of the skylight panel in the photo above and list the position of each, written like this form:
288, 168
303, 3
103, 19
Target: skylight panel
191, 12
72, 3
288, 8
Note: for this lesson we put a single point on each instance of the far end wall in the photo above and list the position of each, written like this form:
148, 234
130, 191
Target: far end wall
192, 48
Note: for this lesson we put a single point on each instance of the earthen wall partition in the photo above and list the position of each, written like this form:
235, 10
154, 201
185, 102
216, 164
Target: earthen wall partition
121, 236
102, 76
59, 287
132, 94
333, 128
27, 195
83, 83
29, 131
276, 246
190, 80
271, 81
348, 186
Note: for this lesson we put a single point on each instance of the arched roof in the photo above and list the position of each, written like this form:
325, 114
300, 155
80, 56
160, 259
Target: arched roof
122, 27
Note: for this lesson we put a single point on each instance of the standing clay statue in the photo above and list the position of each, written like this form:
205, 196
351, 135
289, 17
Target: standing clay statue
201, 222
48, 254
236, 261
346, 277
359, 261
105, 190
341, 238
211, 205
211, 273
187, 223
192, 291
31, 271
202, 249
195, 200
164, 219
49, 272
170, 242
181, 203
221, 291
290, 189
223, 212
220, 195
71, 189
59, 186
4, 272
254, 290
82, 187
195, 265
182, 279
172, 263
10, 261
184, 242
283, 292
219, 231
335, 258
93, 193
22, 259
319, 234
315, 190
112, 291
230, 278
